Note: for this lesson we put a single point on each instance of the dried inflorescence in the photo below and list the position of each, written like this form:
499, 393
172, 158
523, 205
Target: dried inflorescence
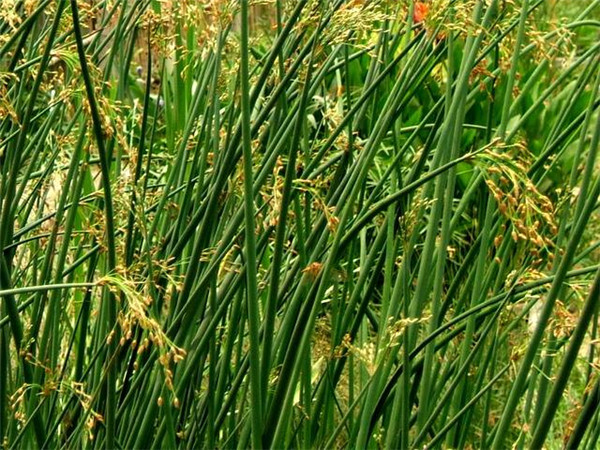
13, 13
531, 214
356, 20
136, 313
7, 109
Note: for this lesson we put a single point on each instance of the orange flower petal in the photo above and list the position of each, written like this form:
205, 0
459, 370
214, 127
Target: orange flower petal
420, 12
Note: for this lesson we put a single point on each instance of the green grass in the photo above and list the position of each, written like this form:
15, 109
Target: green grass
299, 224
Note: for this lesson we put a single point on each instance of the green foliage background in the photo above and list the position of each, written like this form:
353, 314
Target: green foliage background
298, 224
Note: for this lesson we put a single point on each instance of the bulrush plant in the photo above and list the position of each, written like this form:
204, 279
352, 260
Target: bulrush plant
299, 224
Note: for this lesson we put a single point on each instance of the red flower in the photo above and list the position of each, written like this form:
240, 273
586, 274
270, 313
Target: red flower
420, 12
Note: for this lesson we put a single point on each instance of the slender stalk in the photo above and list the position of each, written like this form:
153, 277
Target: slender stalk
250, 239
110, 308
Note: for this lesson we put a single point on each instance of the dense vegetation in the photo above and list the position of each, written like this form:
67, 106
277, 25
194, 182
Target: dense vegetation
299, 223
